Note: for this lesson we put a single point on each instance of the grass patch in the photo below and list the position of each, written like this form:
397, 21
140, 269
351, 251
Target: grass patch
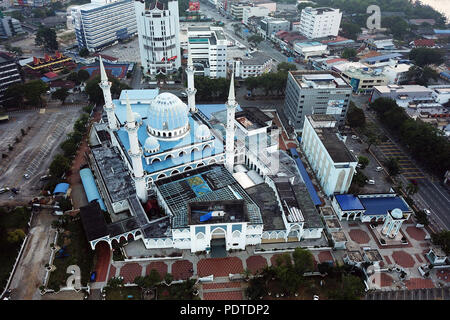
10, 220
79, 251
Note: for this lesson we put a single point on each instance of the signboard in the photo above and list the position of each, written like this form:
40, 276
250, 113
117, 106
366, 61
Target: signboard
194, 6
335, 106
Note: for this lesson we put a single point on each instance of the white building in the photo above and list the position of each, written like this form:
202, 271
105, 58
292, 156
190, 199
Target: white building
331, 161
158, 30
256, 11
441, 93
320, 22
208, 46
252, 65
308, 49
103, 22
397, 73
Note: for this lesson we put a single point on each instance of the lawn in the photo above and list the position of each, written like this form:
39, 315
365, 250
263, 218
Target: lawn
10, 220
79, 251
124, 293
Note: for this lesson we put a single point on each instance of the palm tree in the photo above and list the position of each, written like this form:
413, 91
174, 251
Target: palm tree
412, 188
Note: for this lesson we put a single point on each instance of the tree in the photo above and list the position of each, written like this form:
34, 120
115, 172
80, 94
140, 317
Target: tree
61, 94
286, 66
412, 188
364, 161
15, 236
426, 56
350, 30
422, 218
69, 146
397, 26
348, 53
351, 288
355, 116
84, 52
14, 96
46, 37
442, 239
255, 39
83, 75
303, 260
33, 91
392, 166
421, 75
59, 165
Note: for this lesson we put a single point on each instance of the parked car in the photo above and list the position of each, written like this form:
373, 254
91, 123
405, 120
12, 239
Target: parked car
378, 169
354, 137
26, 176
370, 181
427, 211
359, 165
4, 189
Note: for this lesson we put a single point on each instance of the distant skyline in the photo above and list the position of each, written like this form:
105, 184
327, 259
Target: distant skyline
442, 6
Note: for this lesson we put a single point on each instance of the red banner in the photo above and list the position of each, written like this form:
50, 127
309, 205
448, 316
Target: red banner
194, 6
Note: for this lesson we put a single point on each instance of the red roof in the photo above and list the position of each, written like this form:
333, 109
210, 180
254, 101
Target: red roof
106, 57
424, 43
335, 60
62, 84
50, 75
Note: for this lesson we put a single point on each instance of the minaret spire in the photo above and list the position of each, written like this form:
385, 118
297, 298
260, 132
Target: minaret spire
105, 85
229, 142
190, 91
130, 114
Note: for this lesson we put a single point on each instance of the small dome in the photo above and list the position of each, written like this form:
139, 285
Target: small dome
397, 213
151, 144
137, 118
167, 112
202, 132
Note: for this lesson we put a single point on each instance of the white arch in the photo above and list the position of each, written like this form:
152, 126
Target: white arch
181, 154
200, 236
265, 235
174, 172
212, 161
236, 234
168, 157
200, 164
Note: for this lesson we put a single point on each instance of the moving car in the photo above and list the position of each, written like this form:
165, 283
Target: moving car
427, 212
378, 169
371, 181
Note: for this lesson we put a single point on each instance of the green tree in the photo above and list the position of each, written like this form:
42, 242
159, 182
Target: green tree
348, 53
46, 37
286, 66
442, 239
303, 261
398, 27
422, 218
351, 31
83, 75
14, 96
255, 39
33, 91
426, 56
69, 147
61, 94
412, 188
355, 116
15, 236
59, 165
392, 166
351, 288
364, 161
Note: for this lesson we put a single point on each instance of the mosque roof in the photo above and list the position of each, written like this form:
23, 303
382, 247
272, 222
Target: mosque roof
167, 112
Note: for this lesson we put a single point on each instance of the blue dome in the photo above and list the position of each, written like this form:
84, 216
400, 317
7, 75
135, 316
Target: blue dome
167, 112
202, 132
151, 144
397, 213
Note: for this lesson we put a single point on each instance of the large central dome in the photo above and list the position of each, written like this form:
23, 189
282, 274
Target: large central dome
167, 117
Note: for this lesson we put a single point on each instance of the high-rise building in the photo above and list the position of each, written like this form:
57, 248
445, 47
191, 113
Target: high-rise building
9, 27
315, 92
158, 31
9, 73
208, 46
320, 22
103, 22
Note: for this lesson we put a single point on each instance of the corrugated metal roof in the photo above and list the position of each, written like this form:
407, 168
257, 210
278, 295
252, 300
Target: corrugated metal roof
90, 188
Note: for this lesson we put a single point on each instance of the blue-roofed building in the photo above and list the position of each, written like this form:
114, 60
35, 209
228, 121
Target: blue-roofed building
61, 188
368, 207
90, 188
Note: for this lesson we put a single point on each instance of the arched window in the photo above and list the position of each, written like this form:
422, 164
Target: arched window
162, 175
174, 172
200, 164
168, 157
187, 168
155, 160
182, 153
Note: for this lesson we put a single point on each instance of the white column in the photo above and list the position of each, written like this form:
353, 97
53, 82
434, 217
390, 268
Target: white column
135, 153
231, 109
190, 80
105, 85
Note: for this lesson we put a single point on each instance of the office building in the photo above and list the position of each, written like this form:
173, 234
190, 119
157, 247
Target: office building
268, 26
320, 22
208, 46
9, 27
158, 31
9, 73
315, 92
363, 80
103, 22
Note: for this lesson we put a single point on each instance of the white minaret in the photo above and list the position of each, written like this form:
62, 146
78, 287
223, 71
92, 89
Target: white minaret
190, 80
231, 109
135, 153
109, 105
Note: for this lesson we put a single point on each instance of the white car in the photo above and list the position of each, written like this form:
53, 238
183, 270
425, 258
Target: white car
378, 169
315, 297
371, 181
354, 137
427, 212
26, 176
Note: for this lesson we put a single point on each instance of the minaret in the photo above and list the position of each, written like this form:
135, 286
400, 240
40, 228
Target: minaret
190, 80
109, 105
231, 109
135, 153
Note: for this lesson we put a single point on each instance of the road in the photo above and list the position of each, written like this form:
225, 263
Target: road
431, 195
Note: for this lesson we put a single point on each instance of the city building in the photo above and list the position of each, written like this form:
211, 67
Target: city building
380, 43
402, 94
269, 26
325, 149
9, 73
254, 11
365, 79
320, 22
158, 31
369, 207
441, 93
315, 92
254, 8
103, 22
307, 49
397, 73
151, 151
9, 27
208, 46
31, 3
252, 65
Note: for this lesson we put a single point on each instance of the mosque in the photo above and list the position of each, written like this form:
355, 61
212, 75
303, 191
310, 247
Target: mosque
177, 177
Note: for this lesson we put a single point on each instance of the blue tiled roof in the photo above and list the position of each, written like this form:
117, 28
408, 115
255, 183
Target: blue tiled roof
312, 192
61, 188
209, 109
381, 205
349, 202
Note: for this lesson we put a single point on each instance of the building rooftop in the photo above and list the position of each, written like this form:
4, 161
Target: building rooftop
338, 236
307, 79
333, 223
255, 58
251, 118
335, 147
203, 184
233, 211
348, 202
372, 255
93, 220
402, 89
381, 204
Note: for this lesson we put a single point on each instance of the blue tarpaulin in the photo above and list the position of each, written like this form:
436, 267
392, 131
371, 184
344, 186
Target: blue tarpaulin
206, 217
312, 192
61, 188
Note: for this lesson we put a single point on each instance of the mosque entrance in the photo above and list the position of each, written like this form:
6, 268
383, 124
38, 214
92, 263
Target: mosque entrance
218, 244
